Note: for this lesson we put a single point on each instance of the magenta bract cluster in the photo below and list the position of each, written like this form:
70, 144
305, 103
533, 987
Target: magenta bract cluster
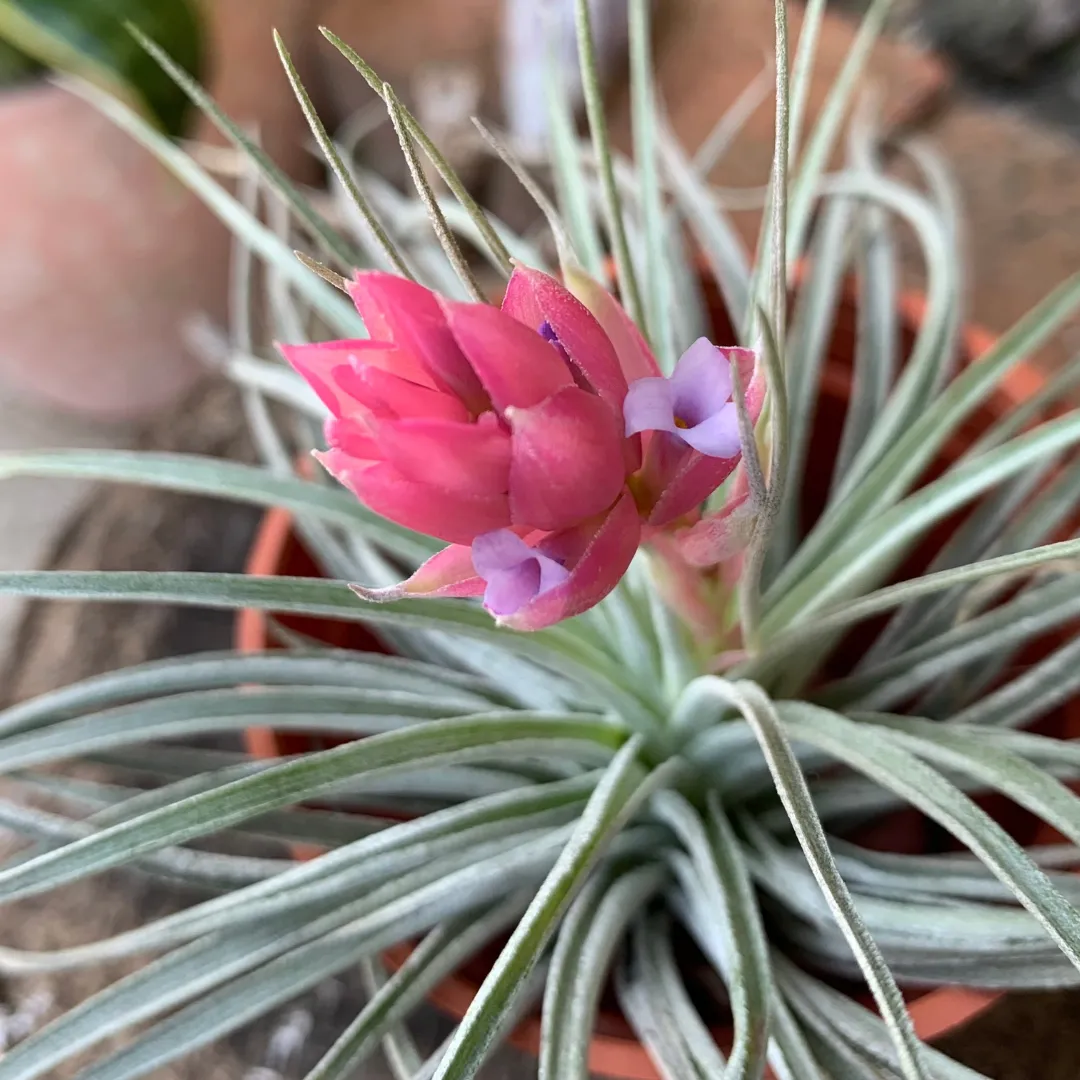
538, 439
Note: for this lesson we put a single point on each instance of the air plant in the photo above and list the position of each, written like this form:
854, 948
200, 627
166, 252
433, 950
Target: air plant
674, 748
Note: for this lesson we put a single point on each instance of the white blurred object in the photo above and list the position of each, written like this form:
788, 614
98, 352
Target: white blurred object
288, 1038
445, 94
23, 1021
535, 31
446, 97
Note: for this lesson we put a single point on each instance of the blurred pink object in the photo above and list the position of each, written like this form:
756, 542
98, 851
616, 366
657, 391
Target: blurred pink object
104, 254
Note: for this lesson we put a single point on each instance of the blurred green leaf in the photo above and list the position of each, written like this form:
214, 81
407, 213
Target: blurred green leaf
16, 67
92, 40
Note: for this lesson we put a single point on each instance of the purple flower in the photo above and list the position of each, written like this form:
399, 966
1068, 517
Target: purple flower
514, 572
694, 405
547, 332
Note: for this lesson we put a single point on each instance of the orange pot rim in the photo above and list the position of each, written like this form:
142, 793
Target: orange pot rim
934, 1013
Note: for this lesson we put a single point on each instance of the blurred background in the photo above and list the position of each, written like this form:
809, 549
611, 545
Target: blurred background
105, 261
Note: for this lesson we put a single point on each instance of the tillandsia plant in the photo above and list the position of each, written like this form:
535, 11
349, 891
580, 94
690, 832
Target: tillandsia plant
761, 622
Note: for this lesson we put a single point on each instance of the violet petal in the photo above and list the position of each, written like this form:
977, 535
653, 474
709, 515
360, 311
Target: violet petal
694, 405
514, 572
547, 332
718, 435
552, 574
508, 591
499, 550
701, 382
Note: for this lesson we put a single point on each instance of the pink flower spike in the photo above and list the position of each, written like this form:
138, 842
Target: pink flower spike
515, 573
566, 460
319, 365
458, 420
449, 572
694, 405
597, 555
531, 583
352, 438
720, 536
467, 459
388, 396
684, 588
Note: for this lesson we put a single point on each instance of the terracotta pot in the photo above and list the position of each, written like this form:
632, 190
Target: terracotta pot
614, 1051
105, 254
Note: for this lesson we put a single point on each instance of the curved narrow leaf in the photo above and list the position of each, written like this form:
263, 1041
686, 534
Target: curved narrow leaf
839, 615
330, 238
201, 869
440, 954
298, 780
999, 630
914, 449
493, 245
874, 754
725, 886
548, 805
342, 318
613, 213
624, 789
823, 138
966, 751
220, 479
558, 647
348, 711
824, 1007
383, 244
655, 1000
316, 937
594, 932
762, 716
1037, 692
